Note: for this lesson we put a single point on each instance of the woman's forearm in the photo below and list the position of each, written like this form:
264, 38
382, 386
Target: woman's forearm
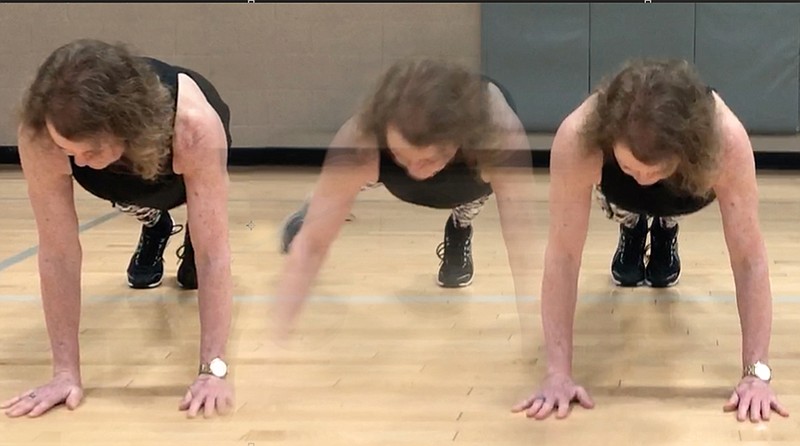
299, 273
215, 301
559, 298
60, 280
754, 302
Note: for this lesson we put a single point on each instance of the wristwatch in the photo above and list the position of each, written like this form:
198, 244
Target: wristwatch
759, 370
216, 367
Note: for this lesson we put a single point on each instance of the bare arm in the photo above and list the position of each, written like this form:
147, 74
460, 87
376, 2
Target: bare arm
201, 152
737, 193
47, 173
351, 162
512, 183
572, 175
573, 172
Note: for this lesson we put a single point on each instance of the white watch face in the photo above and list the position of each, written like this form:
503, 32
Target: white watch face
218, 367
762, 371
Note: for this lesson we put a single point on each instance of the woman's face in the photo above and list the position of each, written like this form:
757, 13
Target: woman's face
421, 162
97, 153
644, 174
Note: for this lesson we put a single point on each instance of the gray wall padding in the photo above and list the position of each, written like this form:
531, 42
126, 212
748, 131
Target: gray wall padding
623, 31
751, 55
549, 56
540, 54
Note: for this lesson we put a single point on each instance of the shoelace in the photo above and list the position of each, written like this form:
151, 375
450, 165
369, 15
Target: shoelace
670, 247
182, 254
147, 248
440, 251
623, 241
648, 248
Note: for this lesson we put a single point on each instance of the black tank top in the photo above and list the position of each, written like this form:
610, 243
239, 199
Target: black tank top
458, 183
119, 184
658, 199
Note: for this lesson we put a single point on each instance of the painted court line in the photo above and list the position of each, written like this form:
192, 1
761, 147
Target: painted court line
30, 252
145, 297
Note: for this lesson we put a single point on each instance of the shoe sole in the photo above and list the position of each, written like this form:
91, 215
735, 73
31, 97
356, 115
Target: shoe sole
181, 284
148, 286
627, 285
459, 285
667, 285
184, 286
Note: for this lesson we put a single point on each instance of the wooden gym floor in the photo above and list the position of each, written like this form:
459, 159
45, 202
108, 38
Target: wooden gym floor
382, 356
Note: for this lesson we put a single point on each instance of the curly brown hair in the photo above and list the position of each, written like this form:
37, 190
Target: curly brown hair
663, 111
92, 89
430, 102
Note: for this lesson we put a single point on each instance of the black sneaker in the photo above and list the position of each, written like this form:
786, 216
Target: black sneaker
291, 226
187, 271
664, 266
455, 252
146, 268
627, 267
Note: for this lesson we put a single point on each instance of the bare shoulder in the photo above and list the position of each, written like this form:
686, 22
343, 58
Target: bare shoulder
570, 129
502, 113
198, 128
352, 144
40, 154
193, 110
735, 147
569, 146
353, 152
351, 136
